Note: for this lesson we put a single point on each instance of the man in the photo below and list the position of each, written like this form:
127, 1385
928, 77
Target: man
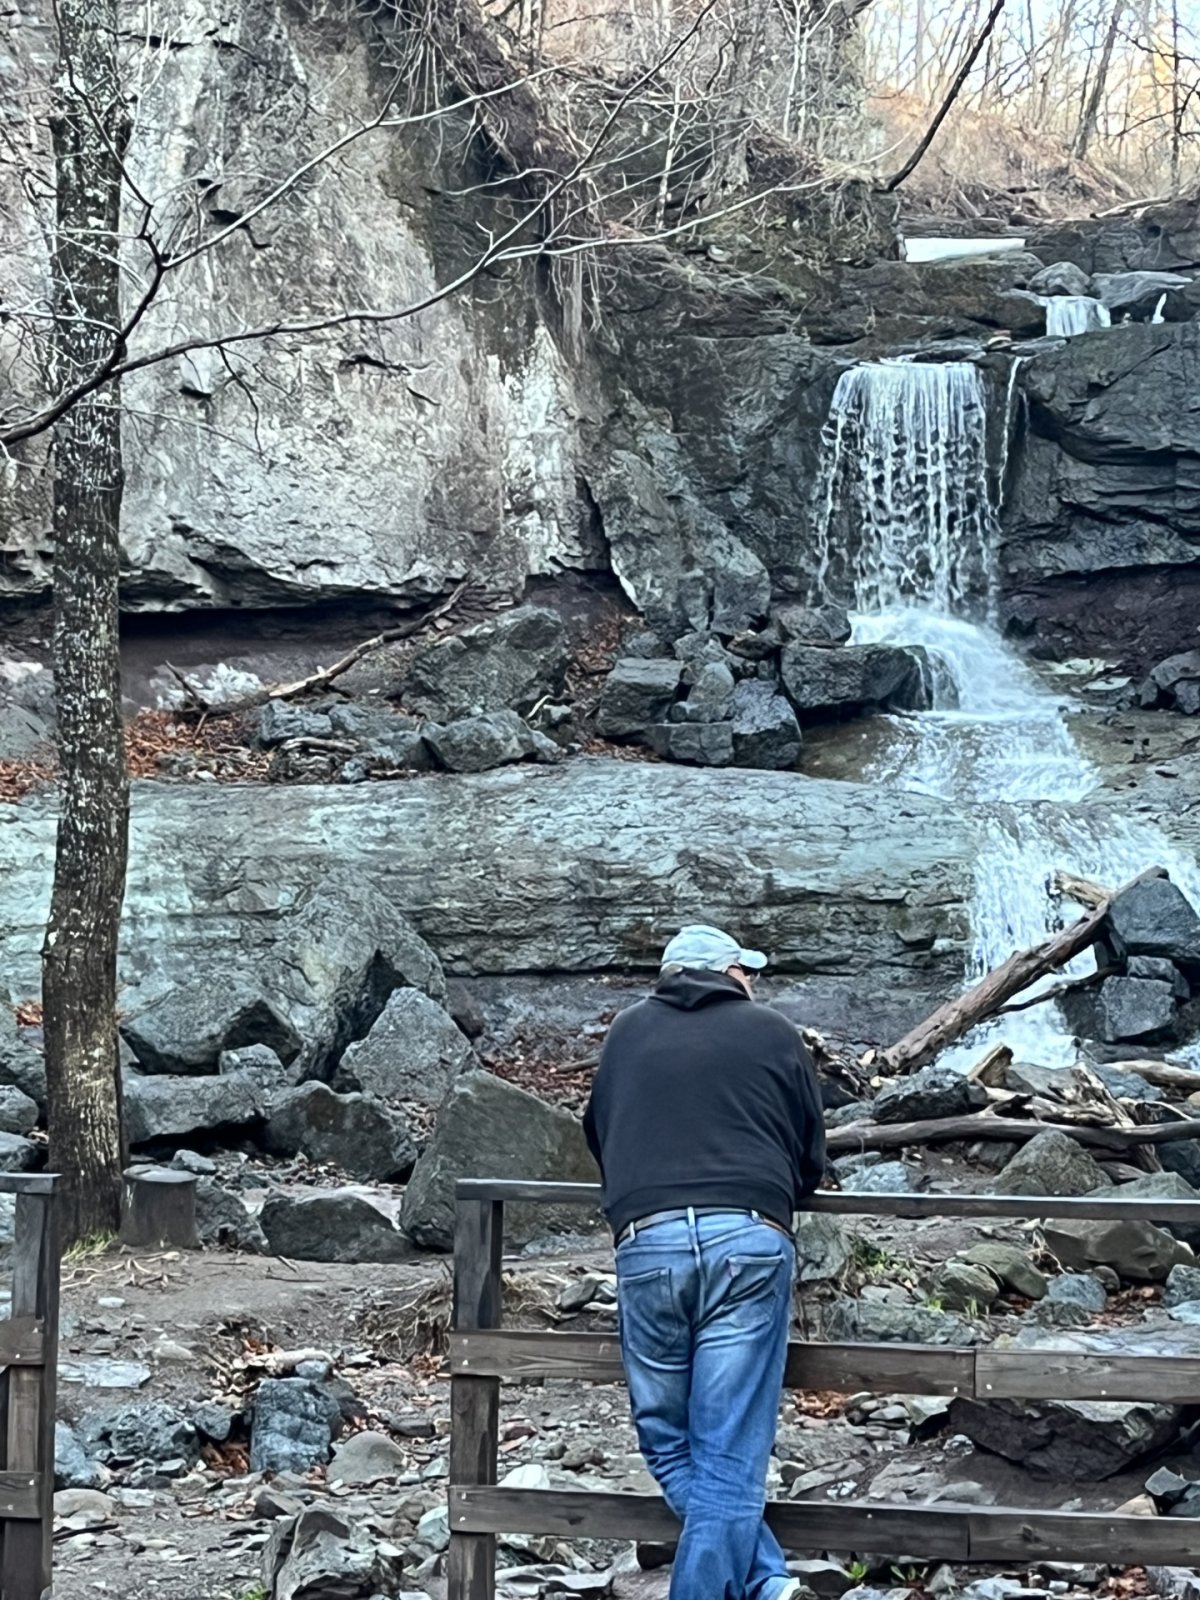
706, 1122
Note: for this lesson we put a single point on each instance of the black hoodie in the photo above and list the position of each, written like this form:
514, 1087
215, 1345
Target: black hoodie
704, 1098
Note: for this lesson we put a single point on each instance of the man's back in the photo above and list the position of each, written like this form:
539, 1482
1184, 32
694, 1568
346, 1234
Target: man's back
704, 1098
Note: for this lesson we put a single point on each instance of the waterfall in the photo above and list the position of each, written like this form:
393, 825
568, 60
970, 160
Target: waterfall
907, 532
1069, 314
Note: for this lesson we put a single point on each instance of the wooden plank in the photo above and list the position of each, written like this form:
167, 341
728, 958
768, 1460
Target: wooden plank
27, 1182
516, 1354
475, 1400
26, 1560
1085, 1375
22, 1342
942, 1532
934, 1207
20, 1501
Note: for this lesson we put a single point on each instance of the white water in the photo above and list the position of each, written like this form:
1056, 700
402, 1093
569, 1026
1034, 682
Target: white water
918, 250
907, 528
1069, 314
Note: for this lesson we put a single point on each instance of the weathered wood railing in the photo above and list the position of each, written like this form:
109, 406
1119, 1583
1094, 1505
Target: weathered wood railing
482, 1355
28, 1362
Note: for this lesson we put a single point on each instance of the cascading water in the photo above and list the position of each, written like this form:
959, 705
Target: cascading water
1069, 314
907, 530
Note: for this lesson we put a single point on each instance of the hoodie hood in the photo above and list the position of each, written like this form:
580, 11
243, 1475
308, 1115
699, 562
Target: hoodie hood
690, 989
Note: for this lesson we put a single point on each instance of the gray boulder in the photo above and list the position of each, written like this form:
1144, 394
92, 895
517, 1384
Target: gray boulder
765, 730
223, 1221
813, 624
882, 1322
507, 664
74, 1468
964, 1286
21, 1061
1174, 683
741, 587
1011, 1268
1169, 1185
1123, 1085
933, 1092
319, 1555
339, 1226
292, 1426
191, 1026
18, 1113
491, 739
1078, 1289
163, 1107
1135, 294
18, 1154
355, 1132
1134, 1008
257, 1061
1154, 918
414, 1051
636, 693
710, 698
368, 1457
823, 1249
884, 1177
143, 1430
1183, 1285
1137, 1251
1051, 1163
1083, 1441
280, 720
1061, 277
851, 677
699, 744
489, 1129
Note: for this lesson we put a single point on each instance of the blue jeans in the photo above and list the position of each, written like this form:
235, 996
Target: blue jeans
705, 1305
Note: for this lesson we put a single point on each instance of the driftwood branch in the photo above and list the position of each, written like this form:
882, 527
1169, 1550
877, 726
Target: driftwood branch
963, 73
1068, 986
987, 1125
957, 1017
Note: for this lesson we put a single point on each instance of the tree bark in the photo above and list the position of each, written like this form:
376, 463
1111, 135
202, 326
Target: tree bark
930, 1037
1091, 113
79, 957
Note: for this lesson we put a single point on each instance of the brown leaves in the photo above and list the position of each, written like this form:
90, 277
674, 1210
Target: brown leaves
162, 742
19, 778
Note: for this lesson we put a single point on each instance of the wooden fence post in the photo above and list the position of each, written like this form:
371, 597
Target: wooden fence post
29, 1427
475, 1402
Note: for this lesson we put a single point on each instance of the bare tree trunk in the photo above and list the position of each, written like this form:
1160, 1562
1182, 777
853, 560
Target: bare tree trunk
1176, 101
1091, 112
79, 957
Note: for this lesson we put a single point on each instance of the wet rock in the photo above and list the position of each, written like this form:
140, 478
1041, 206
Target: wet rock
293, 1423
964, 1286
17, 1154
1083, 1441
822, 625
74, 1468
189, 1028
1078, 1289
852, 677
18, 1113
1051, 1163
489, 1128
1134, 1008
1135, 294
414, 1051
1183, 1285
491, 739
879, 1321
321, 1556
636, 693
823, 1248
222, 1220
1062, 277
1137, 1251
698, 744
367, 1458
931, 1093
355, 1132
508, 664
765, 730
1154, 918
331, 1227
164, 1107
1011, 1268
258, 1062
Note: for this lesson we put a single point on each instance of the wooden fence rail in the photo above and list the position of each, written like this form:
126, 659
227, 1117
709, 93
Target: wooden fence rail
483, 1355
28, 1361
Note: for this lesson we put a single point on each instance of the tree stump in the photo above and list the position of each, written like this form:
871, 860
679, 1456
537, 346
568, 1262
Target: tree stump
160, 1209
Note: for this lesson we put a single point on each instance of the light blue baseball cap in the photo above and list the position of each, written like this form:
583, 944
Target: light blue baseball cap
711, 950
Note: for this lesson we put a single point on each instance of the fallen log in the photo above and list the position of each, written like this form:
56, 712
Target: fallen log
1163, 1074
982, 1002
987, 1125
